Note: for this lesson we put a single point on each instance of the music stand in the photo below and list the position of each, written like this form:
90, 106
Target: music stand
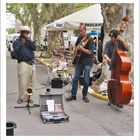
28, 106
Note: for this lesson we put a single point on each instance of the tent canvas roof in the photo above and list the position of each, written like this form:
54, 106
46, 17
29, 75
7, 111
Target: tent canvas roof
90, 16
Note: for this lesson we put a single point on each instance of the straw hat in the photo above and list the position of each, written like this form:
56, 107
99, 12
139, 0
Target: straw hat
24, 28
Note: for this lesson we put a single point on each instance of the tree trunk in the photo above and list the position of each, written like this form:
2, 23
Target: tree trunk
36, 38
51, 43
55, 40
33, 9
112, 16
130, 38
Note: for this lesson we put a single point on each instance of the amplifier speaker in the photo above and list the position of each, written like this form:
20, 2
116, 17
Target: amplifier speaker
56, 83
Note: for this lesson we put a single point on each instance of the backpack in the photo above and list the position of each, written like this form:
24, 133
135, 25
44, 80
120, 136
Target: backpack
13, 54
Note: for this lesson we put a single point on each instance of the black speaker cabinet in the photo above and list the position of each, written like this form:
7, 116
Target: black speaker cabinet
56, 83
81, 81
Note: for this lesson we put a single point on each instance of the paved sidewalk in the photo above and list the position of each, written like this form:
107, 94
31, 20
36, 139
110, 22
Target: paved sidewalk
95, 118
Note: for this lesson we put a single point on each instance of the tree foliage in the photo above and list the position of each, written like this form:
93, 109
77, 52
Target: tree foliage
80, 6
37, 14
42, 13
20, 11
11, 30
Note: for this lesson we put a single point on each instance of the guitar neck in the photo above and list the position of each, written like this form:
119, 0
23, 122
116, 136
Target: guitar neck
84, 41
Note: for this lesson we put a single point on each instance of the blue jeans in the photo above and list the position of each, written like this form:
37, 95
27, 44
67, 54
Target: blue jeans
78, 69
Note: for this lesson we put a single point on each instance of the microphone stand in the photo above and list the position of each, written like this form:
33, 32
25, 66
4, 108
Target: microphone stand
28, 106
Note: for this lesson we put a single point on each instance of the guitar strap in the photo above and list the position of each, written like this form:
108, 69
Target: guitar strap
83, 40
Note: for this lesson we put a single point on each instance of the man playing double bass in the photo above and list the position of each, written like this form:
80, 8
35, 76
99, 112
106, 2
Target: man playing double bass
84, 65
110, 47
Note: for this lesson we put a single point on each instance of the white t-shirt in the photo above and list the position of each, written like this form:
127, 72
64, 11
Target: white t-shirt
62, 65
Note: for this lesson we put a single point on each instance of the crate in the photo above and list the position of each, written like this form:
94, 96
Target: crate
51, 108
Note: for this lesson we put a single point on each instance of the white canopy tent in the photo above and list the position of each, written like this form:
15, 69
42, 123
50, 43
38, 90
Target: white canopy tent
90, 16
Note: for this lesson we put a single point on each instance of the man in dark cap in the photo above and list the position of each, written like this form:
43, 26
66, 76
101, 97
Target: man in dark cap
110, 47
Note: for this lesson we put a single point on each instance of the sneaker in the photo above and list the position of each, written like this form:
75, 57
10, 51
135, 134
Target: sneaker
70, 98
120, 106
109, 103
85, 99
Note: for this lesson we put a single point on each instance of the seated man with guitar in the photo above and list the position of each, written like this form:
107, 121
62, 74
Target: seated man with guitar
83, 61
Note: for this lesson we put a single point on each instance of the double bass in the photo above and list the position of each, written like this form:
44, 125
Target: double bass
119, 86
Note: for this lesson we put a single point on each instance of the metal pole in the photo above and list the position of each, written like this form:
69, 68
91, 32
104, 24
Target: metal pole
124, 14
124, 9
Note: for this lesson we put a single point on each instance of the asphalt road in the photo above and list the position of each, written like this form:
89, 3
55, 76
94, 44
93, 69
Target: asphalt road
86, 119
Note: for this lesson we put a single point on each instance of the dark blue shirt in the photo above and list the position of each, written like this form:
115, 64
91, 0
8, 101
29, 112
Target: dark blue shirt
109, 50
24, 52
86, 59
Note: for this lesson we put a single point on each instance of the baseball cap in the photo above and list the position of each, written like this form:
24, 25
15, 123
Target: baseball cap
114, 33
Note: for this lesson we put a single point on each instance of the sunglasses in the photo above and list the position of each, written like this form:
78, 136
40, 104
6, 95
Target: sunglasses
111, 36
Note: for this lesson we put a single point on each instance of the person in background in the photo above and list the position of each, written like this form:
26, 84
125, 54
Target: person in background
61, 66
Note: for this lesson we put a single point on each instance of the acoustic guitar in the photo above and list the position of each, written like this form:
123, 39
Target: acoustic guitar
83, 43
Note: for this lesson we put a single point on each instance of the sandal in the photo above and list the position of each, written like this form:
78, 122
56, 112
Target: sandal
19, 101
